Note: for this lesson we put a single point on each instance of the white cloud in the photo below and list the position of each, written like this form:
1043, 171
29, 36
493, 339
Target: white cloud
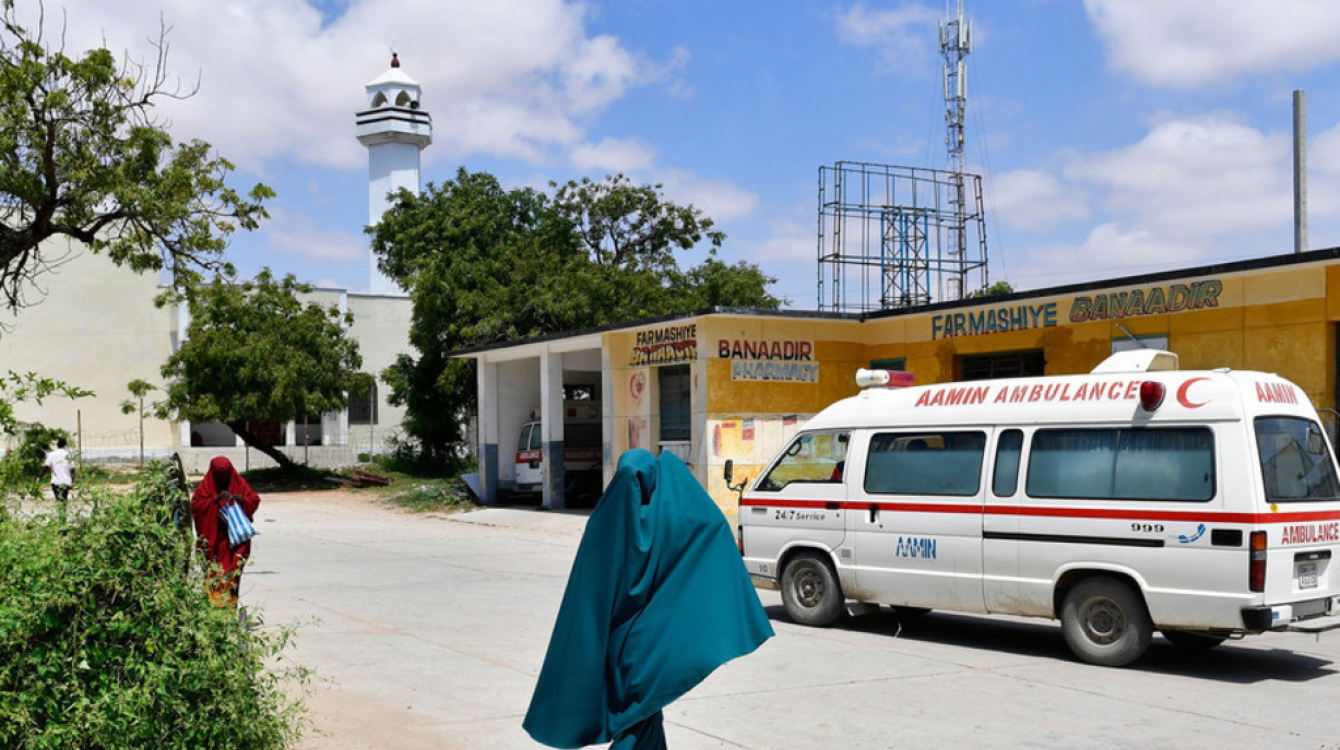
293, 235
1111, 249
722, 200
903, 35
1207, 176
1194, 42
513, 78
1031, 199
613, 155
790, 240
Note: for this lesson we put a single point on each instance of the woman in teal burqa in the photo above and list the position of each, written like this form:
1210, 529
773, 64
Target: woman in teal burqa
657, 599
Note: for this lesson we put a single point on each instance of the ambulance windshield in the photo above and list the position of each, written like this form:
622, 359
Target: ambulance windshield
1296, 465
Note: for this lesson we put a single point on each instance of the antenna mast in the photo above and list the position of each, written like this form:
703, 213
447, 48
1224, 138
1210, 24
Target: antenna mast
955, 44
895, 237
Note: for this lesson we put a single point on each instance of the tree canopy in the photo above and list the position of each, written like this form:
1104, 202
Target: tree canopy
483, 264
256, 353
82, 156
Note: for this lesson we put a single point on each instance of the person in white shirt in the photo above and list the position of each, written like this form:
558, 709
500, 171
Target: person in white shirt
57, 464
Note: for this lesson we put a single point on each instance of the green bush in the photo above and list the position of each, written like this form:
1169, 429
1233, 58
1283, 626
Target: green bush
21, 467
108, 641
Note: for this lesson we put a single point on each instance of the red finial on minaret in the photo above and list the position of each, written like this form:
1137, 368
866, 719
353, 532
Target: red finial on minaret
395, 60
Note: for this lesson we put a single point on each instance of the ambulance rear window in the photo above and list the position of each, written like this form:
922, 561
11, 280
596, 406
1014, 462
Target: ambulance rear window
1122, 464
1296, 465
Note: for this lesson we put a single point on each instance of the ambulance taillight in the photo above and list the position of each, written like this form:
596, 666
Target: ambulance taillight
1256, 574
1151, 395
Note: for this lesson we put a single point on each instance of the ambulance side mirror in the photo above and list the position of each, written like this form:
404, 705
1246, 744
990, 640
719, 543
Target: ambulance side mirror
729, 471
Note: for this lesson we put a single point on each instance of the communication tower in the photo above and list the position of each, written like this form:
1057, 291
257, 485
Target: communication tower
896, 237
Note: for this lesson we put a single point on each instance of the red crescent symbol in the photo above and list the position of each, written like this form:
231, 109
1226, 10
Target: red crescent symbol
1181, 394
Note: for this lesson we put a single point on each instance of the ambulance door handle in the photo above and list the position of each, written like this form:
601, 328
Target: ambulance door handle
832, 505
874, 513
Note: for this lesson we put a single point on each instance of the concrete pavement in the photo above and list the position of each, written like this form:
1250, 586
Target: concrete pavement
430, 631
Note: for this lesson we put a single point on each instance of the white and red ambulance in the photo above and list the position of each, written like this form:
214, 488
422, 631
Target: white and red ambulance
581, 448
1139, 497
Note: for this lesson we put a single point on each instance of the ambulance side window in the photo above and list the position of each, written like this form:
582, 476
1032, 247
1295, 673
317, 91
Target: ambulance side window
925, 463
524, 440
1123, 464
814, 457
535, 435
1008, 449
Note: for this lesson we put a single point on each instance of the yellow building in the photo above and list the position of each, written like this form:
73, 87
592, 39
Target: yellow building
732, 384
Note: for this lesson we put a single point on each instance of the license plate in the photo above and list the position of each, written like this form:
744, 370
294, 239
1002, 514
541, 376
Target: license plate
1307, 575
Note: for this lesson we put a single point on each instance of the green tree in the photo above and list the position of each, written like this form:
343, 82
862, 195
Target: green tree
139, 389
29, 386
998, 289
714, 283
483, 265
82, 156
21, 465
631, 226
256, 353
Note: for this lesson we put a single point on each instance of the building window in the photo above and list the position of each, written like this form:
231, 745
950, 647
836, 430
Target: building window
676, 403
307, 429
896, 364
363, 407
1002, 365
1128, 343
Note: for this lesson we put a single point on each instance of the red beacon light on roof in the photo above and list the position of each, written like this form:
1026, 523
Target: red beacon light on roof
1151, 395
884, 378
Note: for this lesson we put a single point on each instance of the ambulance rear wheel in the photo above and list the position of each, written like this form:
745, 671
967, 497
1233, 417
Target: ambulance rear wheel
810, 590
1105, 622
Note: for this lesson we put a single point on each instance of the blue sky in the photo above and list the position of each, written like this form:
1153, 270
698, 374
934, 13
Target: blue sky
1114, 137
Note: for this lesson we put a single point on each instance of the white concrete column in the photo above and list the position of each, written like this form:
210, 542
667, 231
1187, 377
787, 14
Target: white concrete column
551, 427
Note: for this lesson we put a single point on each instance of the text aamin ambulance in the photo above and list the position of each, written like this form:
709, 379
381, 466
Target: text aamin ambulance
1136, 498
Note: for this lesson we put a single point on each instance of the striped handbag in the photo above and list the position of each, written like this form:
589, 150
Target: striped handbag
240, 529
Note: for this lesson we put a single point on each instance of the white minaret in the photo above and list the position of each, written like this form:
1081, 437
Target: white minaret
395, 130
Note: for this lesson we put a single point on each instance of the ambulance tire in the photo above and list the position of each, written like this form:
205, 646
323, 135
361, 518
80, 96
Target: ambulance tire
1192, 641
810, 590
1105, 622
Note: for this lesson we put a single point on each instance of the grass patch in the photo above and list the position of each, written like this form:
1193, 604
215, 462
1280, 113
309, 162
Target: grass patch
294, 479
417, 492
443, 496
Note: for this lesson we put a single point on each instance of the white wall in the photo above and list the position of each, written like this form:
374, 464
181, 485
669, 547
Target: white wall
97, 328
381, 327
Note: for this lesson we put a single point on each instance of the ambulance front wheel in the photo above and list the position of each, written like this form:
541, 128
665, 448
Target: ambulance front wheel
810, 590
1105, 622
